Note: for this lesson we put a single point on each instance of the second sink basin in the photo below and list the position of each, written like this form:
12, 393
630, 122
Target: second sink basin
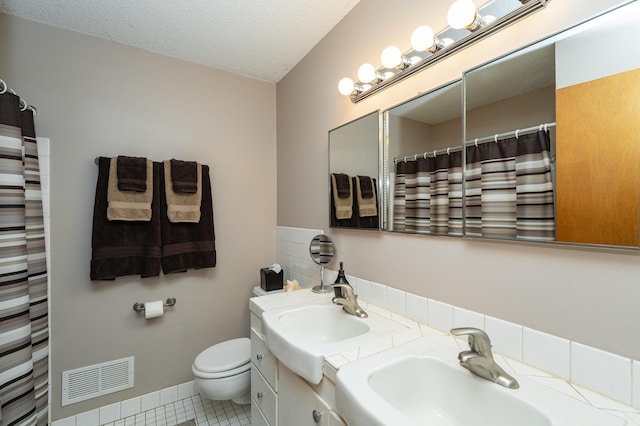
302, 336
421, 383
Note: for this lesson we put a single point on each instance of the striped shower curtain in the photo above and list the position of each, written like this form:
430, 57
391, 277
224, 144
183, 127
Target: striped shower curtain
428, 195
24, 325
509, 189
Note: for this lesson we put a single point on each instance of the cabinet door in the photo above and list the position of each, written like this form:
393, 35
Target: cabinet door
263, 359
257, 418
298, 404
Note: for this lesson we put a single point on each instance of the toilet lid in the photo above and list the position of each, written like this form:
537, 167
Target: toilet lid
224, 356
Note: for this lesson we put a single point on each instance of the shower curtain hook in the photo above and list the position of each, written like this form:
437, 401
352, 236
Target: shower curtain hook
434, 153
545, 127
4, 87
23, 105
405, 159
415, 157
517, 130
476, 142
425, 155
448, 151
495, 138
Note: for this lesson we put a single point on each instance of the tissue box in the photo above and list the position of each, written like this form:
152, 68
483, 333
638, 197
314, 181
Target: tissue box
269, 280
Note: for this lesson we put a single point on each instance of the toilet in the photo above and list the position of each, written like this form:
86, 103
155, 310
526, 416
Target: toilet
223, 371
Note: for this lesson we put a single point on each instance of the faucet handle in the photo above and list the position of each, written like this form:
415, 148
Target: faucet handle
345, 290
478, 340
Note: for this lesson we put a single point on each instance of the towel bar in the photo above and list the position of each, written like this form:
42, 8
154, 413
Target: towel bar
139, 307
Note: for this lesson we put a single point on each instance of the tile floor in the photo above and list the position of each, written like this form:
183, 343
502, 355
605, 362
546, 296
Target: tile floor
205, 413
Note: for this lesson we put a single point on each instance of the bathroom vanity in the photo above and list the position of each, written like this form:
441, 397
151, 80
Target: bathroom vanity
279, 396
394, 371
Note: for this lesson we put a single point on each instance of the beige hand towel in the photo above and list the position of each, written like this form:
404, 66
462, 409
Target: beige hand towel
128, 205
344, 206
367, 207
182, 207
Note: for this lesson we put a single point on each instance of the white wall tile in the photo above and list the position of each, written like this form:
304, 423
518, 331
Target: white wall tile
396, 300
109, 413
466, 318
601, 371
130, 407
88, 418
440, 315
150, 401
363, 290
378, 295
168, 395
67, 421
506, 337
416, 308
186, 390
546, 352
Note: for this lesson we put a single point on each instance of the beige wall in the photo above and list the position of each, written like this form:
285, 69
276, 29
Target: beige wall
99, 98
581, 294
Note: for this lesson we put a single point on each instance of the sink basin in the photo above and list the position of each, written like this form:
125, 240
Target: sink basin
421, 383
302, 336
322, 323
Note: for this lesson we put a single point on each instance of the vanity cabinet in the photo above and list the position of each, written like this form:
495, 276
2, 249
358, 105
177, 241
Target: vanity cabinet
264, 379
279, 397
300, 404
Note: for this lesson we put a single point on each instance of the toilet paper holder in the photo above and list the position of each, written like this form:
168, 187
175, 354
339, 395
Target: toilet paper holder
139, 307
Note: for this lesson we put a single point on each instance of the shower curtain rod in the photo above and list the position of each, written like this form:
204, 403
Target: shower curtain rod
484, 139
23, 103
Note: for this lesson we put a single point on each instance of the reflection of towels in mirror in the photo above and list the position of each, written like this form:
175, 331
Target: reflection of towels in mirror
342, 190
367, 204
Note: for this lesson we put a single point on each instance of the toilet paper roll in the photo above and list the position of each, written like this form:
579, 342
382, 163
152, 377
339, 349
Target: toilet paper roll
153, 309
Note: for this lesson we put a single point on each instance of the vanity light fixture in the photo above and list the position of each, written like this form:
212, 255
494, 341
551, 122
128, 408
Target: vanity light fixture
467, 24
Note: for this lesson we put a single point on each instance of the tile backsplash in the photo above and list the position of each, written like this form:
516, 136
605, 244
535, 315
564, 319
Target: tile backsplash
606, 373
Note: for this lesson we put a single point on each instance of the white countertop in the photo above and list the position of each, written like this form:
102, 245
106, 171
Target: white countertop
416, 330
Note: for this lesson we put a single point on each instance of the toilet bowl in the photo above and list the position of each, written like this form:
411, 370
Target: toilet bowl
223, 371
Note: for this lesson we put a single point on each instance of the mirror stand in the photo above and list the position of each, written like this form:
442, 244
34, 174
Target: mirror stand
322, 288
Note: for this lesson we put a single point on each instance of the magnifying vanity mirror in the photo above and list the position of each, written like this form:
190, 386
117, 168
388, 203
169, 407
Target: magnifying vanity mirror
354, 158
322, 251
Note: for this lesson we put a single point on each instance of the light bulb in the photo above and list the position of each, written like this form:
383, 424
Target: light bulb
366, 73
422, 38
462, 14
391, 57
346, 86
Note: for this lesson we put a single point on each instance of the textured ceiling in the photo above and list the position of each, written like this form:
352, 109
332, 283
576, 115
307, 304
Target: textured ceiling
262, 39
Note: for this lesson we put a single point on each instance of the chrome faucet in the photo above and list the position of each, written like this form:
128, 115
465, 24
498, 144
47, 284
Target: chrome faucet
349, 300
479, 359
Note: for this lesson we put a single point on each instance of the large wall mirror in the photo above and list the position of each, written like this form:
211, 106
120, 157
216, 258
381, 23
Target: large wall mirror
552, 138
354, 174
424, 162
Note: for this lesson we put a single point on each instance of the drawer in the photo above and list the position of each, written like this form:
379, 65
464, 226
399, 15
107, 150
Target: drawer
264, 360
257, 418
263, 397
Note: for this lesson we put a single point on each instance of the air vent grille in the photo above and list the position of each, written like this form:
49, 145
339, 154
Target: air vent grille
96, 380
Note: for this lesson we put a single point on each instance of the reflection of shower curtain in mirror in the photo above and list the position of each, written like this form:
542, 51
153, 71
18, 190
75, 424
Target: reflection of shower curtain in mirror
509, 189
428, 195
24, 332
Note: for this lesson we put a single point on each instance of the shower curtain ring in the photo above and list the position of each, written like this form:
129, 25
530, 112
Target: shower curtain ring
415, 157
4, 87
23, 105
495, 138
424, 155
434, 153
405, 159
517, 130
448, 153
476, 142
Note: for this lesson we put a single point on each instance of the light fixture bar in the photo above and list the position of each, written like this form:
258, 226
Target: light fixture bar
526, 8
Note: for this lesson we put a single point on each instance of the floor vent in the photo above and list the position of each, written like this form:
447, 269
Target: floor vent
96, 380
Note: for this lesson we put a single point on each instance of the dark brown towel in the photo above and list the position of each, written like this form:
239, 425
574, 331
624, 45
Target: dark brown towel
366, 186
184, 176
132, 173
343, 185
189, 245
122, 248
